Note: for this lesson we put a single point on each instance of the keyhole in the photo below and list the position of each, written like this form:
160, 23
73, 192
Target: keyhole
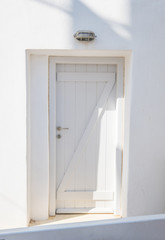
58, 136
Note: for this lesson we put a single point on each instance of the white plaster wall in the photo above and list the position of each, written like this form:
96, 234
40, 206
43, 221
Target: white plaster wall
143, 228
38, 147
137, 25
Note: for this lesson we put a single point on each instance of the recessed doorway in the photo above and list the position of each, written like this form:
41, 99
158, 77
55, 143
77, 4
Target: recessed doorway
85, 128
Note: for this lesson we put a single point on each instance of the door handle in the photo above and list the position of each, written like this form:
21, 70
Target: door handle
60, 128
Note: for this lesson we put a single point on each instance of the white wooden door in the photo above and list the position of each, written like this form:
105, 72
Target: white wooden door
86, 131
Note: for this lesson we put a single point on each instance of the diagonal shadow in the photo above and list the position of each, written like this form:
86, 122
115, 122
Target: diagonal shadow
85, 18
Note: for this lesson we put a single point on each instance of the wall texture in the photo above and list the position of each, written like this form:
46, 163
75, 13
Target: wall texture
137, 25
144, 228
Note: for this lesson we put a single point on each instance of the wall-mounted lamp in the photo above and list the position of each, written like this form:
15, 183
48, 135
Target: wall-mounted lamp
84, 35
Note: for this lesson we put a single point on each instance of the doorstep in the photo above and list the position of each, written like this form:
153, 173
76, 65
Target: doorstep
74, 218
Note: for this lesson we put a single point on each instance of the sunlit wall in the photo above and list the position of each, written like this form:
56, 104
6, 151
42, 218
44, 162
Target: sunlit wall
136, 25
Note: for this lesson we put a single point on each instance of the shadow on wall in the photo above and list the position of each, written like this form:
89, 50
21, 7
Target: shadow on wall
106, 29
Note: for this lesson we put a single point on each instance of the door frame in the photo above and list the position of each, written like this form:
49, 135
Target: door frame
37, 74
119, 61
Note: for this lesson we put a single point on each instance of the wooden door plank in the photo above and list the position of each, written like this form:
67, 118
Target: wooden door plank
60, 122
102, 143
100, 128
101, 138
69, 122
80, 127
80, 170
111, 146
84, 77
98, 111
91, 150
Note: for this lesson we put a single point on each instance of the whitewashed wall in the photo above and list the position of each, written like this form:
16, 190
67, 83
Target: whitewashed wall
143, 228
136, 25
